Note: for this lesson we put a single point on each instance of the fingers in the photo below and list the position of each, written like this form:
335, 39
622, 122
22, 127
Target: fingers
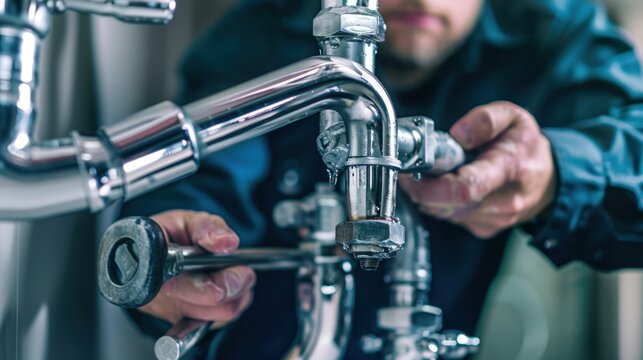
177, 310
210, 288
198, 228
470, 184
485, 123
219, 296
500, 210
225, 312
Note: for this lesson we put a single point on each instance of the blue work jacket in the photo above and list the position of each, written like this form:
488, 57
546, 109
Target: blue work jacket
564, 61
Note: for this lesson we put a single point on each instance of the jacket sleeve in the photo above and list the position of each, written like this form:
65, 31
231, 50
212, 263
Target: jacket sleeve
593, 118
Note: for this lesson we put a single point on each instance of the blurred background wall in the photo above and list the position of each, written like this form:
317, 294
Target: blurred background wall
97, 71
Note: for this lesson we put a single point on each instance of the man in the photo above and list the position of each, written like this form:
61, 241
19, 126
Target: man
561, 155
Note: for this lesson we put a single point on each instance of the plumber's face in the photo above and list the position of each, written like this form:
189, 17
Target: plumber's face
424, 32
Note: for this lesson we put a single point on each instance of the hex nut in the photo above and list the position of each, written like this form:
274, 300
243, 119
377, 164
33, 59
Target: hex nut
372, 238
349, 21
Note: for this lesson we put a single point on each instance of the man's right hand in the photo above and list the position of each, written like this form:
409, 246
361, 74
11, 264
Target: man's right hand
218, 296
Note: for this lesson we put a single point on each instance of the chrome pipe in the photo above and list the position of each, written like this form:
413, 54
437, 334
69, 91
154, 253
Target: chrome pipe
164, 143
299, 90
30, 15
325, 287
148, 11
326, 297
262, 259
181, 338
408, 276
290, 94
353, 29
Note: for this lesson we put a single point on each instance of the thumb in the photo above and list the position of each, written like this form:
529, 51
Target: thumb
485, 123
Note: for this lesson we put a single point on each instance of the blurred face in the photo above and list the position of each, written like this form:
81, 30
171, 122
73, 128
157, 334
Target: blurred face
423, 33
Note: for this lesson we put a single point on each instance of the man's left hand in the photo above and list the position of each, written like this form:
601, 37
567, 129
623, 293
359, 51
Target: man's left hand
511, 180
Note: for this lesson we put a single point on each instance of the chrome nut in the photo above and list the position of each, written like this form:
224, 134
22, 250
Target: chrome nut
421, 129
349, 21
406, 319
379, 239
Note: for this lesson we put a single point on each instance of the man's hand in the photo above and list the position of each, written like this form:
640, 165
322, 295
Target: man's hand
512, 179
218, 296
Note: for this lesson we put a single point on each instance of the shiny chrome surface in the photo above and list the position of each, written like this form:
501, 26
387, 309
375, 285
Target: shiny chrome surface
324, 310
164, 143
258, 259
424, 150
180, 338
290, 94
30, 15
410, 323
353, 29
22, 162
43, 179
325, 288
155, 146
146, 11
305, 88
409, 274
350, 29
319, 212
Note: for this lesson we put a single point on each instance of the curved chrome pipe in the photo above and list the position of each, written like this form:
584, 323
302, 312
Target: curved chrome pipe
300, 90
290, 94
164, 143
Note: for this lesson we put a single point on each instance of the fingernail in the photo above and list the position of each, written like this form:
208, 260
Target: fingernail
226, 244
233, 283
224, 239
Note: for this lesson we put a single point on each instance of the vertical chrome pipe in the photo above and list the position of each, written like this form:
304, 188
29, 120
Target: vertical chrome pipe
350, 29
324, 308
325, 287
353, 29
408, 276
